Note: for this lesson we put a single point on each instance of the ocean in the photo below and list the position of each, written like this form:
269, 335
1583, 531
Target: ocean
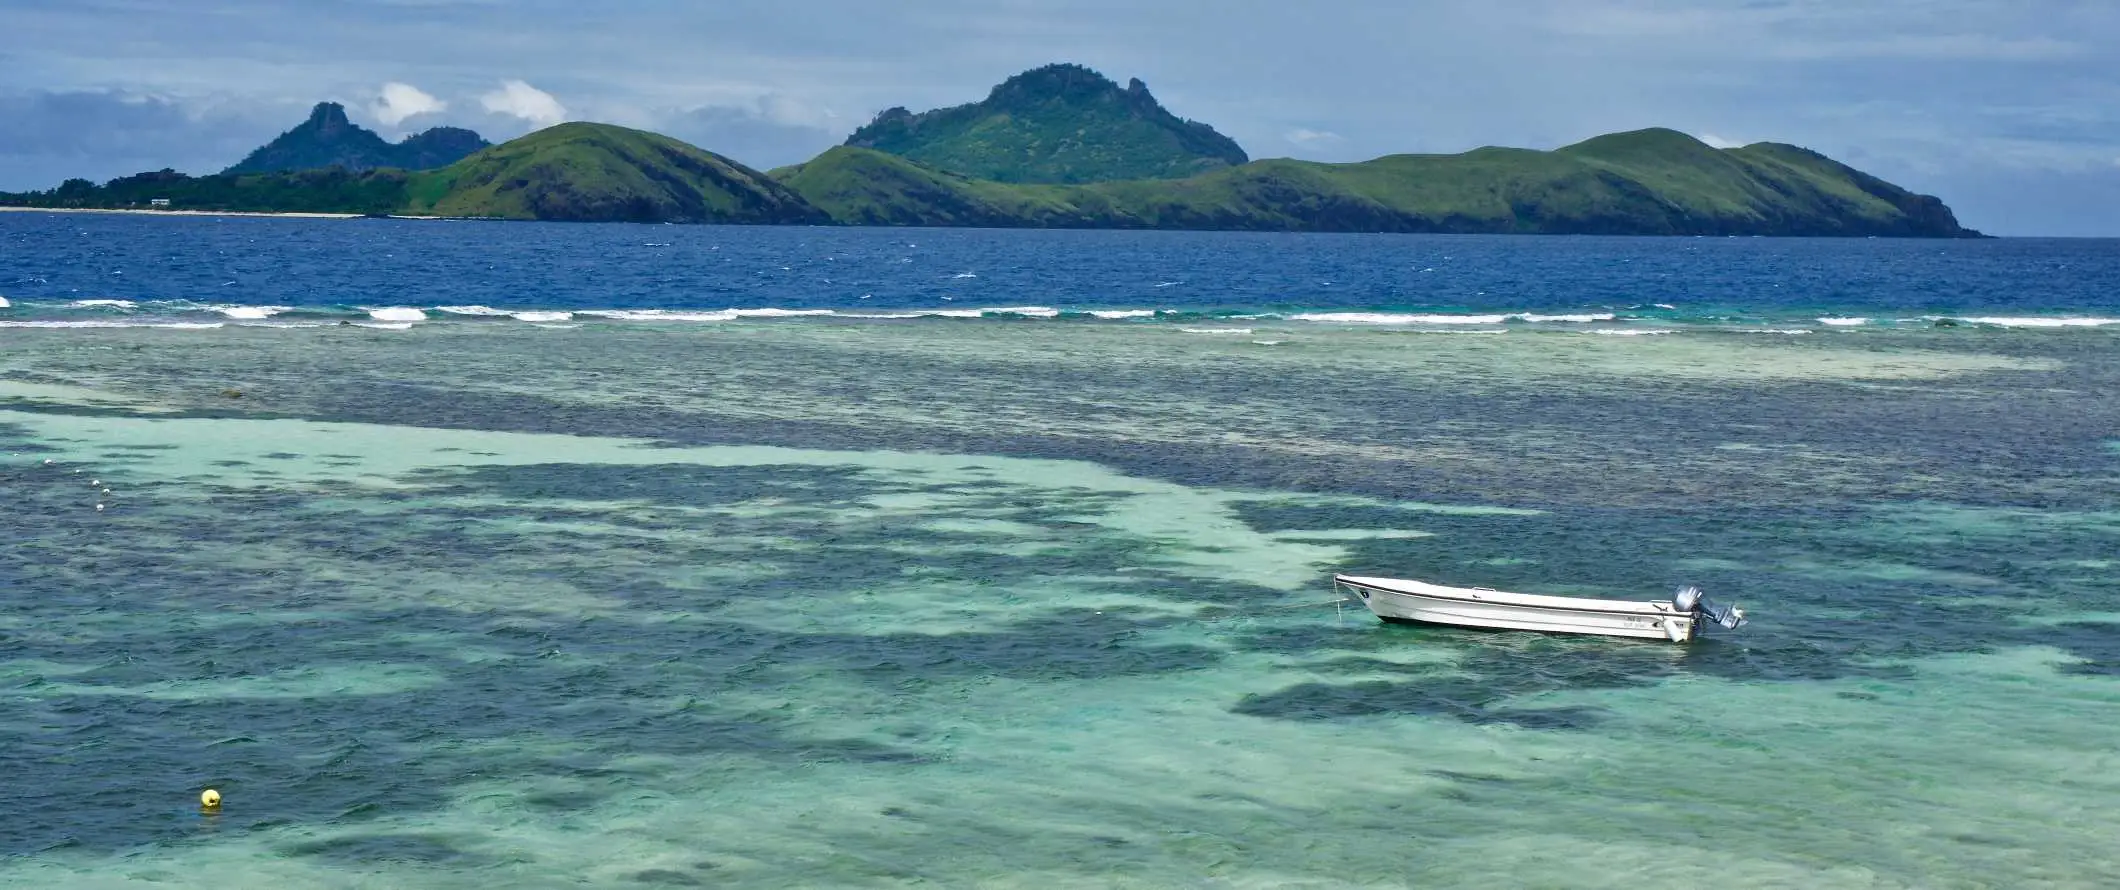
465, 554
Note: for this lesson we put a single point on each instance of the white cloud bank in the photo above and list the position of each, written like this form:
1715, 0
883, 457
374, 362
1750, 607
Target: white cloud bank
1312, 138
399, 101
524, 101
1715, 141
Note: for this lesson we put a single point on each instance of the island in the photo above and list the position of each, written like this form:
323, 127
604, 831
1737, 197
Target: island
1055, 147
329, 139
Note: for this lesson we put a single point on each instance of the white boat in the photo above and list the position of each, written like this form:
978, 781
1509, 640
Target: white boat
1677, 619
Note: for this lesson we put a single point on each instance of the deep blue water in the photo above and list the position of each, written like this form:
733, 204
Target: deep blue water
48, 261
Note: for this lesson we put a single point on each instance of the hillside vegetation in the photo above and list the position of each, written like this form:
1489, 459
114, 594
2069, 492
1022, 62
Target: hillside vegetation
1059, 123
1648, 182
1068, 123
328, 139
584, 172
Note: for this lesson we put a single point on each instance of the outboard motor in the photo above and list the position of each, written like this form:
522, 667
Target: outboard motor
1690, 599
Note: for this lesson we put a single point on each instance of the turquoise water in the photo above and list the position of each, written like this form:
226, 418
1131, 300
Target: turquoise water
826, 602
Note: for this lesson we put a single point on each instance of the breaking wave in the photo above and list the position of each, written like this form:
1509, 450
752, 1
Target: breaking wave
170, 325
1634, 321
1395, 318
250, 313
2041, 321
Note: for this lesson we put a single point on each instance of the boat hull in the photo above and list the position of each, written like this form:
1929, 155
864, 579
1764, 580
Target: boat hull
1400, 600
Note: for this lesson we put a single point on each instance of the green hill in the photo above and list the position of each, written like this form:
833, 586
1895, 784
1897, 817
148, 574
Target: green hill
1056, 124
572, 172
329, 139
1648, 182
864, 187
583, 172
329, 190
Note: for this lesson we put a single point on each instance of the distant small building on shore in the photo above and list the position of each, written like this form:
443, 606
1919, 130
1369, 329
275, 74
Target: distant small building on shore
158, 202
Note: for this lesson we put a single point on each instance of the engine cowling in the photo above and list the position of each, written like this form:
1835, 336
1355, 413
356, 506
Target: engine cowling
1690, 599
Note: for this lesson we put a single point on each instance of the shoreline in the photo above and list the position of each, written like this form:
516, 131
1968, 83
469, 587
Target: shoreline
150, 212
8, 208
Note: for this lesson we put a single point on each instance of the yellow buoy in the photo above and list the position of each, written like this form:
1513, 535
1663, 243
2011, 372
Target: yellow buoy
210, 799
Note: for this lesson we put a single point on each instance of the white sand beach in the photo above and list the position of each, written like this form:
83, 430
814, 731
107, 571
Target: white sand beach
160, 212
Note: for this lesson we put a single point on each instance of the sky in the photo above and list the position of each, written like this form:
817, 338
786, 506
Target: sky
2008, 110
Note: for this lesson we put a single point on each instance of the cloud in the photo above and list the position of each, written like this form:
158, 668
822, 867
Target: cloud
1946, 96
1715, 141
1822, 30
767, 133
51, 136
1309, 138
402, 100
788, 111
524, 101
1934, 47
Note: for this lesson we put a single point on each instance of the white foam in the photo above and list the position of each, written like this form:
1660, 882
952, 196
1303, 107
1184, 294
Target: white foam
1026, 311
1244, 331
1267, 342
1663, 305
105, 304
1637, 332
3, 303
1844, 322
385, 326
779, 313
965, 275
1773, 330
691, 314
1123, 313
659, 315
1459, 331
1575, 319
169, 325
917, 313
1401, 318
397, 313
480, 311
250, 313
541, 316
1395, 318
2008, 321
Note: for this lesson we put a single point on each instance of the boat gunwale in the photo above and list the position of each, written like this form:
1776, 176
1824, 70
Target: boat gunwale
1506, 598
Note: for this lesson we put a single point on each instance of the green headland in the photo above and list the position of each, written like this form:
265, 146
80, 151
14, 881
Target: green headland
1063, 147
598, 172
1059, 123
329, 139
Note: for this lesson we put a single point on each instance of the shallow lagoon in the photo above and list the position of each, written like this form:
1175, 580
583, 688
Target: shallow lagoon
424, 629
817, 602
